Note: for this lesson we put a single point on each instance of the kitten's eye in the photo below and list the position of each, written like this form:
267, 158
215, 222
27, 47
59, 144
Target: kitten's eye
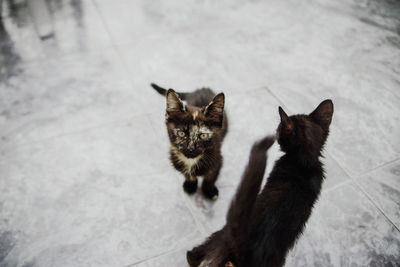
204, 136
181, 133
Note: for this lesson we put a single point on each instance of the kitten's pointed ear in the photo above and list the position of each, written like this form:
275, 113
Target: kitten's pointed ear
285, 120
323, 113
174, 104
215, 110
216, 105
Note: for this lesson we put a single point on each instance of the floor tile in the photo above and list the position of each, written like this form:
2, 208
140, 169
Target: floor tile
85, 174
127, 147
334, 174
176, 258
211, 214
67, 95
167, 64
218, 53
93, 198
316, 246
383, 187
334, 236
323, 64
352, 74
346, 230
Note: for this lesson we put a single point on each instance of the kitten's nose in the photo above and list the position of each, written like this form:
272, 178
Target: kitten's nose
190, 153
191, 147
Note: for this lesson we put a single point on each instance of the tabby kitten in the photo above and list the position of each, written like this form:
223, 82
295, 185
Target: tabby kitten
196, 132
261, 228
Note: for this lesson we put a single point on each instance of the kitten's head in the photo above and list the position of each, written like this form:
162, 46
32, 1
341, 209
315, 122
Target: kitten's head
192, 130
305, 135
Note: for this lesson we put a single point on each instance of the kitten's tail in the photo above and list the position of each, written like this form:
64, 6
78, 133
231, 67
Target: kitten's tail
163, 91
160, 90
246, 194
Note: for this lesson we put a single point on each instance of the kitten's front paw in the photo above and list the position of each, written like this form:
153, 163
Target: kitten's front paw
210, 192
190, 187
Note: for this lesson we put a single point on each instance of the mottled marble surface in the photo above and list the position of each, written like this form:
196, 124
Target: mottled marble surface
84, 173
383, 187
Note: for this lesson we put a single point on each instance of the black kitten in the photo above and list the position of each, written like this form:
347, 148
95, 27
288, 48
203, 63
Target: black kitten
196, 131
261, 229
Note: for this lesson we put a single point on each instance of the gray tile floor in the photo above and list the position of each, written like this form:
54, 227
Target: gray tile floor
85, 178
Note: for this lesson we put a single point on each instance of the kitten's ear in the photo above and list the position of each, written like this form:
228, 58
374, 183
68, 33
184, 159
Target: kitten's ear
285, 120
323, 113
215, 110
174, 104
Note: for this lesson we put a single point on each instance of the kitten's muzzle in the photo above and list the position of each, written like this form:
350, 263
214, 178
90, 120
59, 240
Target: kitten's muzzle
191, 153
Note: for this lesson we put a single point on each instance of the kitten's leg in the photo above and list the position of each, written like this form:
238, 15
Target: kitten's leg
190, 184
208, 187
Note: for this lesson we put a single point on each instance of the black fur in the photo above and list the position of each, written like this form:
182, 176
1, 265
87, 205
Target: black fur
261, 229
160, 90
224, 245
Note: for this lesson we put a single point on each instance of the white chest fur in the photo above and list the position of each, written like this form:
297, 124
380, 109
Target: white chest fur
189, 162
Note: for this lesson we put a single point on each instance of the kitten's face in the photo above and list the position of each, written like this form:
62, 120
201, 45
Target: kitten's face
192, 130
305, 133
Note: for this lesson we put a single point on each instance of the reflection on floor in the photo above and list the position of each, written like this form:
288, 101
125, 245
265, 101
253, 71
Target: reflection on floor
85, 177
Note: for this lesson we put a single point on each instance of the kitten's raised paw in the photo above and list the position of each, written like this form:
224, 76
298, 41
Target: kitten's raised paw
190, 187
210, 192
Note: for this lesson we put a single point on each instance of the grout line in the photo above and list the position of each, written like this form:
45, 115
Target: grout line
65, 55
115, 45
354, 180
377, 167
100, 125
347, 181
375, 205
276, 98
199, 225
83, 130
228, 185
96, 6
353, 177
148, 259
340, 165
348, 178
198, 240
148, 116
370, 199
